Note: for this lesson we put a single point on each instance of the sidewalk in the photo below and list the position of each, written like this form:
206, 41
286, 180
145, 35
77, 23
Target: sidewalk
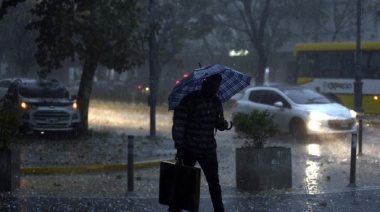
321, 171
361, 200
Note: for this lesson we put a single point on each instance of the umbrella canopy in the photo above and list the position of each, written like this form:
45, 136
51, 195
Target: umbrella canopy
232, 82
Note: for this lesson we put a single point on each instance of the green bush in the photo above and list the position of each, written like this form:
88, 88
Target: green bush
257, 126
9, 128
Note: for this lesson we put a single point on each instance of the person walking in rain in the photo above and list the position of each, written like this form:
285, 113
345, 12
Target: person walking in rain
195, 121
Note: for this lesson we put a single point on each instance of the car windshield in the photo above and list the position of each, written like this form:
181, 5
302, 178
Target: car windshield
305, 96
43, 90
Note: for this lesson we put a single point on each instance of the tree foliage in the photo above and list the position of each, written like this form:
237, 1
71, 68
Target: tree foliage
267, 24
257, 126
97, 32
251, 17
181, 20
108, 30
177, 22
17, 43
6, 4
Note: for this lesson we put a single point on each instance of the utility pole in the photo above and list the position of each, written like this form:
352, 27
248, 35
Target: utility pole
152, 68
358, 84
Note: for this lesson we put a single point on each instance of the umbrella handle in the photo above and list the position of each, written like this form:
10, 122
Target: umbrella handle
230, 127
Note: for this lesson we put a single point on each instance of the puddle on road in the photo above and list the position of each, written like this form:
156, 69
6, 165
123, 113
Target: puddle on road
312, 169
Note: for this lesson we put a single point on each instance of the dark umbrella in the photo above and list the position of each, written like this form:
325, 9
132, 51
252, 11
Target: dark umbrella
232, 82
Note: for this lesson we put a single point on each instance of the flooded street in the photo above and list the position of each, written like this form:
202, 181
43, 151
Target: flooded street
318, 165
127, 118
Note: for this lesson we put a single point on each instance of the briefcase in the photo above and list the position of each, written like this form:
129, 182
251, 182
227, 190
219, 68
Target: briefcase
179, 186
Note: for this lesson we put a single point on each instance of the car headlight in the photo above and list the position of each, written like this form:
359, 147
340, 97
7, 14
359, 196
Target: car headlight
23, 105
353, 113
75, 105
316, 116
314, 125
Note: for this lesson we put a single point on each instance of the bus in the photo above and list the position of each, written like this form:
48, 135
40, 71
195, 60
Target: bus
329, 68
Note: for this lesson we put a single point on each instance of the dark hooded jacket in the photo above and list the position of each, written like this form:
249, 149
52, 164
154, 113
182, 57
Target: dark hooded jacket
194, 124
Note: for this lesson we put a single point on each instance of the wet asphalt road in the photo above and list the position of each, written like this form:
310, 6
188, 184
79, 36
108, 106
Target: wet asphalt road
321, 175
353, 200
320, 167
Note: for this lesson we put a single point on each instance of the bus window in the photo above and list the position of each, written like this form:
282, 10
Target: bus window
331, 67
371, 64
326, 64
305, 65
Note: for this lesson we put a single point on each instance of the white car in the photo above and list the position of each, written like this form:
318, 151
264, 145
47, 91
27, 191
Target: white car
297, 110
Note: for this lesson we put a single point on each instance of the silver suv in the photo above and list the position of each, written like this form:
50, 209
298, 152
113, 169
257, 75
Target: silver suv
43, 106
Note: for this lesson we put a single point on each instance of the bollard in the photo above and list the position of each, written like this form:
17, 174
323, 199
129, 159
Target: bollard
353, 160
130, 162
360, 136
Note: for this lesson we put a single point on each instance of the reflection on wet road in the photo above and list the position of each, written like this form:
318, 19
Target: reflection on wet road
312, 168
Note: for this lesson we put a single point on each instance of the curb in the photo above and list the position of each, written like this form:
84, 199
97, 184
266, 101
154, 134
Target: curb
89, 168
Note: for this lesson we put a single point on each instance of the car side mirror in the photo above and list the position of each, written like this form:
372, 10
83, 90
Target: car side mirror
279, 104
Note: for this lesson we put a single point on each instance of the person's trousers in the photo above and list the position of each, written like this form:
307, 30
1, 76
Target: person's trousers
209, 165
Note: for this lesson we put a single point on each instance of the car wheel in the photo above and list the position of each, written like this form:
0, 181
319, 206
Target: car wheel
297, 129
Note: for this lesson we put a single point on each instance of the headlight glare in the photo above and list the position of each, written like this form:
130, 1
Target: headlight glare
23, 105
75, 105
314, 125
353, 113
314, 115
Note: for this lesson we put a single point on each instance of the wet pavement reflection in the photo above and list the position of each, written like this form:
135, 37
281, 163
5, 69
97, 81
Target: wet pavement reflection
320, 170
312, 168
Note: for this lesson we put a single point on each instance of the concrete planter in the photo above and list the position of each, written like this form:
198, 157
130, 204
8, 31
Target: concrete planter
263, 169
9, 170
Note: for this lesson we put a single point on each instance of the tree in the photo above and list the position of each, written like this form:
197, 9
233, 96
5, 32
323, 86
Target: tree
176, 22
6, 4
17, 43
344, 16
326, 20
98, 32
251, 17
267, 25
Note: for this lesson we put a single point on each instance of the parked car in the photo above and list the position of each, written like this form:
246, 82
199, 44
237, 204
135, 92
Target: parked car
297, 110
43, 106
